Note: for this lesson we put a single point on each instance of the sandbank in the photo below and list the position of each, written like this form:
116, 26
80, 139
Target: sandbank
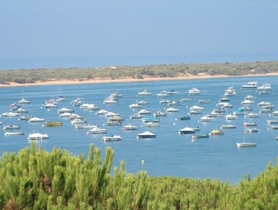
127, 80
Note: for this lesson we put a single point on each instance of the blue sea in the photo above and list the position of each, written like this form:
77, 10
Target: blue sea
169, 154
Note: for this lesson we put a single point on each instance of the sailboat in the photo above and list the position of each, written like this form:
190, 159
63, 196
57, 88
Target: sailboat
244, 143
23, 100
60, 97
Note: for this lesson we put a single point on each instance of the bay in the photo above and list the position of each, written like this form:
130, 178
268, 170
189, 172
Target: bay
169, 154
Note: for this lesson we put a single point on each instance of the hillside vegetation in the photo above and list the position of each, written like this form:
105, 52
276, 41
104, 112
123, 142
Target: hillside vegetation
36, 179
138, 72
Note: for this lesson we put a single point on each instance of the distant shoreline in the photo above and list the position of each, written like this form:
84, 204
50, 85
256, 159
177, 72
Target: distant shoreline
109, 80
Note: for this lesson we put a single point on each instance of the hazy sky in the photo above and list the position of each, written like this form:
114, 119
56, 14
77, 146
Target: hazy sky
57, 29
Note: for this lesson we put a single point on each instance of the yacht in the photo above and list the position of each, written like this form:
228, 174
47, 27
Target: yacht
194, 91
38, 136
144, 93
264, 87
250, 85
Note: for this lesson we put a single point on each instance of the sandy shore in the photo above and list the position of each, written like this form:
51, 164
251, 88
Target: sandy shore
108, 80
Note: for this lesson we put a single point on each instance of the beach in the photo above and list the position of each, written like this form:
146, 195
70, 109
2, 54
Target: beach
145, 79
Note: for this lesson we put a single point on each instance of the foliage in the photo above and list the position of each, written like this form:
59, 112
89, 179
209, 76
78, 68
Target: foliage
140, 72
36, 179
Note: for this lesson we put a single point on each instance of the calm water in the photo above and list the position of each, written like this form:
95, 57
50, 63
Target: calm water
169, 154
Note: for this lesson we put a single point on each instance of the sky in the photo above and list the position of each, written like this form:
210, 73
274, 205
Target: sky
81, 33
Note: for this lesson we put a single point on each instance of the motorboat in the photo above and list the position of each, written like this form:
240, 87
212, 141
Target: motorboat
65, 114
85, 126
136, 116
91, 108
186, 130
159, 114
110, 101
164, 101
174, 103
50, 105
230, 91
196, 108
247, 101
264, 87
163, 93
184, 118
194, 91
130, 127
171, 109
252, 115
37, 136
9, 114
274, 113
266, 110
239, 112
272, 121
205, 119
245, 108
185, 99
250, 85
227, 105
75, 116
194, 111
23, 117
21, 110
101, 112
142, 102
146, 135
249, 97
219, 110
61, 98
252, 130
117, 94
97, 130
228, 126
77, 102
16, 133
152, 124
216, 132
274, 127
231, 117
63, 110
15, 106
52, 124
135, 106
78, 121
111, 114
113, 123
146, 120
144, 112
11, 127
246, 124
116, 118
264, 103
36, 119
112, 138
224, 99
214, 114
264, 92
144, 93
204, 101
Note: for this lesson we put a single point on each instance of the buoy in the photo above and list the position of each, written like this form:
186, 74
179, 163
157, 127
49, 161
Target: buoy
143, 161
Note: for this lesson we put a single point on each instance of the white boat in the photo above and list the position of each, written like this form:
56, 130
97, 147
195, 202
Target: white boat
250, 85
186, 130
61, 98
14, 133
11, 127
159, 114
78, 121
21, 110
274, 113
144, 93
174, 103
196, 108
249, 97
112, 138
113, 123
24, 117
143, 102
230, 91
224, 99
23, 101
252, 115
247, 101
227, 126
146, 135
185, 99
36, 119
143, 112
205, 119
164, 101
130, 127
152, 124
264, 87
231, 117
136, 116
50, 105
63, 110
97, 130
85, 126
93, 108
9, 114
65, 114
194, 91
37, 136
252, 130
204, 101
163, 93
135, 106
75, 116
111, 114
110, 101
101, 112
172, 110
264, 103
194, 111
